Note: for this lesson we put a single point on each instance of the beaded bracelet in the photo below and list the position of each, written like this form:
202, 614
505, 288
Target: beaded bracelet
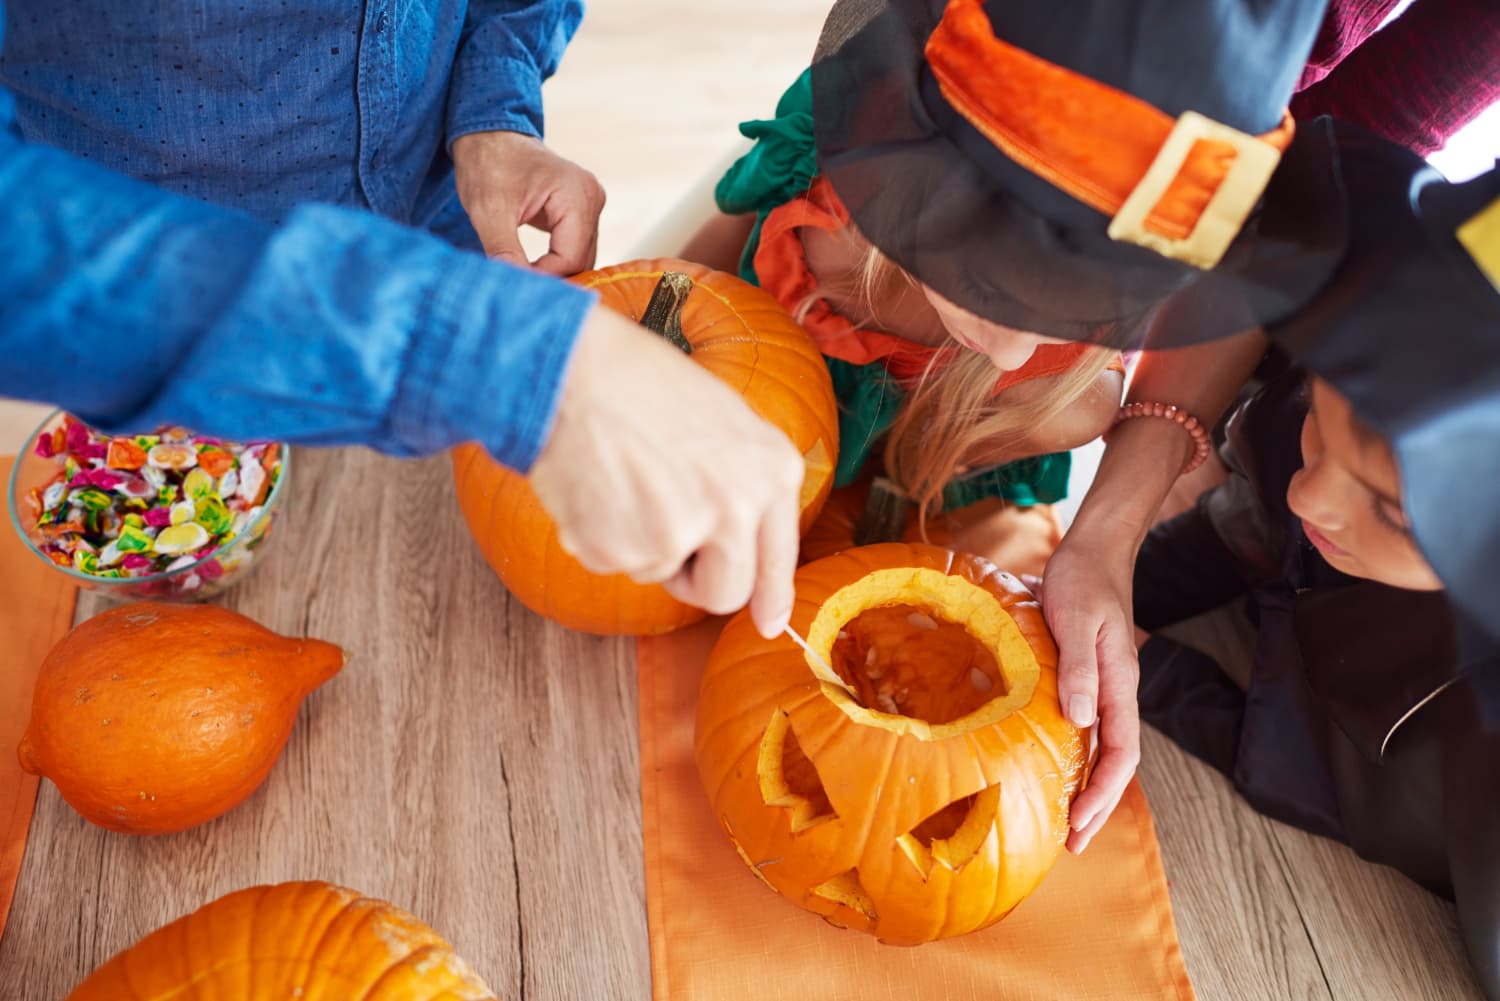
1181, 418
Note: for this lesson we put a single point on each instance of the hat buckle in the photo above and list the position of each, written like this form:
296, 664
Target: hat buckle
1233, 200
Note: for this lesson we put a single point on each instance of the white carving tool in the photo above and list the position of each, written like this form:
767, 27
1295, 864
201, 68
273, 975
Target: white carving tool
806, 646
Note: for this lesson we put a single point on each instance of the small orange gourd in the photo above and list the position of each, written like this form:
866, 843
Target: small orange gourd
153, 717
918, 786
736, 332
309, 941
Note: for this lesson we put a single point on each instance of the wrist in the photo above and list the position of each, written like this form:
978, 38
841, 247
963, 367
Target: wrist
471, 142
1140, 464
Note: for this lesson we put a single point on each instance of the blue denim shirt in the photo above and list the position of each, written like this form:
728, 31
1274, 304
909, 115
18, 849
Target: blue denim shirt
241, 291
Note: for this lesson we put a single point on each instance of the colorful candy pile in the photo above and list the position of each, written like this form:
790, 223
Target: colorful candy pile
148, 504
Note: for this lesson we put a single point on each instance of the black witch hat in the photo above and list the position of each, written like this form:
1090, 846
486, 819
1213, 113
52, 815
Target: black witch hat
1067, 168
1409, 331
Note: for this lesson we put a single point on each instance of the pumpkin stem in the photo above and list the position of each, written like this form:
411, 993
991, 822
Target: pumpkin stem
663, 313
885, 514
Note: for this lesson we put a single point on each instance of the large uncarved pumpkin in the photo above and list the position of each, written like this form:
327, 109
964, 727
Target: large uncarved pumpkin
919, 786
738, 333
308, 941
153, 717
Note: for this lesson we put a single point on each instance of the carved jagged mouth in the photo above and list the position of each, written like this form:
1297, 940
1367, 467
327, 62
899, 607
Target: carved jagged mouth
789, 780
846, 889
953, 836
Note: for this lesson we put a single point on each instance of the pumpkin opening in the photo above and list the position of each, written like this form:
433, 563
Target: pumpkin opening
921, 652
902, 660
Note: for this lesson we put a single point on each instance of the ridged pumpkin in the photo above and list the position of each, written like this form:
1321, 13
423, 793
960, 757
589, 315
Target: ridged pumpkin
1017, 539
738, 333
309, 941
838, 523
917, 790
153, 717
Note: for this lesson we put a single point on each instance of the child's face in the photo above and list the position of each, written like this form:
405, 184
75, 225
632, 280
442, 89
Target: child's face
1009, 349
1348, 495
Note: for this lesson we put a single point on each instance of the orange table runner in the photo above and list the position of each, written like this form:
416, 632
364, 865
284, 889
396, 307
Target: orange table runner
1099, 929
36, 609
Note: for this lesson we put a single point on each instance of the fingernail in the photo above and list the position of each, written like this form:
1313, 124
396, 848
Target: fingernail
777, 624
1081, 710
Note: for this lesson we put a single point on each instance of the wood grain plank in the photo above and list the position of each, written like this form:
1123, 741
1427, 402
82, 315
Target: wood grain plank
1266, 910
471, 763
1378, 934
1241, 931
480, 766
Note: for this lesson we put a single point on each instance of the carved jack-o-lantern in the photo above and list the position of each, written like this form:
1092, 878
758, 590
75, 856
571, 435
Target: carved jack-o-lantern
918, 786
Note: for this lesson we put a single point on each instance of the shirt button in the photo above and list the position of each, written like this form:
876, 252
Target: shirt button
380, 23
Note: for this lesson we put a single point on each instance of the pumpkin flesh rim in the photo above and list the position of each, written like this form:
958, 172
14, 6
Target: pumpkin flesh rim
945, 596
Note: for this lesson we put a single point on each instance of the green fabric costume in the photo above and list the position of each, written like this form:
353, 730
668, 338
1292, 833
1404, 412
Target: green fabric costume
780, 167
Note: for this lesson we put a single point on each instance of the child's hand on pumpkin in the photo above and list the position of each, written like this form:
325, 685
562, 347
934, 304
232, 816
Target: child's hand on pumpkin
1087, 604
658, 470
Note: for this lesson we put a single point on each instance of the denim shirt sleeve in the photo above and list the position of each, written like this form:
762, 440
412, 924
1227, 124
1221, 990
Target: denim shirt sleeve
134, 308
508, 48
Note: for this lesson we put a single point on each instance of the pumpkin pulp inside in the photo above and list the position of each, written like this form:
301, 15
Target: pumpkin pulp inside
921, 652
902, 660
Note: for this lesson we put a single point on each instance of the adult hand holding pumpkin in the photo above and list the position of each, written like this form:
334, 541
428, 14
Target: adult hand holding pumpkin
659, 470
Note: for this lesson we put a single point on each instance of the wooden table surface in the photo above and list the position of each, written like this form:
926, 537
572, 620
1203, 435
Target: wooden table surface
479, 766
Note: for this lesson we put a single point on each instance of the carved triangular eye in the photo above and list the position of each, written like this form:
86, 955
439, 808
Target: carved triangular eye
952, 836
788, 778
846, 889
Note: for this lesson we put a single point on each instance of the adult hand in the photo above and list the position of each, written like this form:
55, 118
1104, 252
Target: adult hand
658, 470
507, 180
1087, 604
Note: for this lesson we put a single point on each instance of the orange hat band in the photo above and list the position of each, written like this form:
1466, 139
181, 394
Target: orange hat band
1182, 188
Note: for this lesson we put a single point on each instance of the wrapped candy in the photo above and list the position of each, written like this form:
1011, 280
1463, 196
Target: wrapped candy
147, 504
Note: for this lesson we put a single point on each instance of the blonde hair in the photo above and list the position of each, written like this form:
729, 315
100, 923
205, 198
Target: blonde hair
953, 414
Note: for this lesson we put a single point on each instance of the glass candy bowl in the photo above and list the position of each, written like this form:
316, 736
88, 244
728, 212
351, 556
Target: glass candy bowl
121, 516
